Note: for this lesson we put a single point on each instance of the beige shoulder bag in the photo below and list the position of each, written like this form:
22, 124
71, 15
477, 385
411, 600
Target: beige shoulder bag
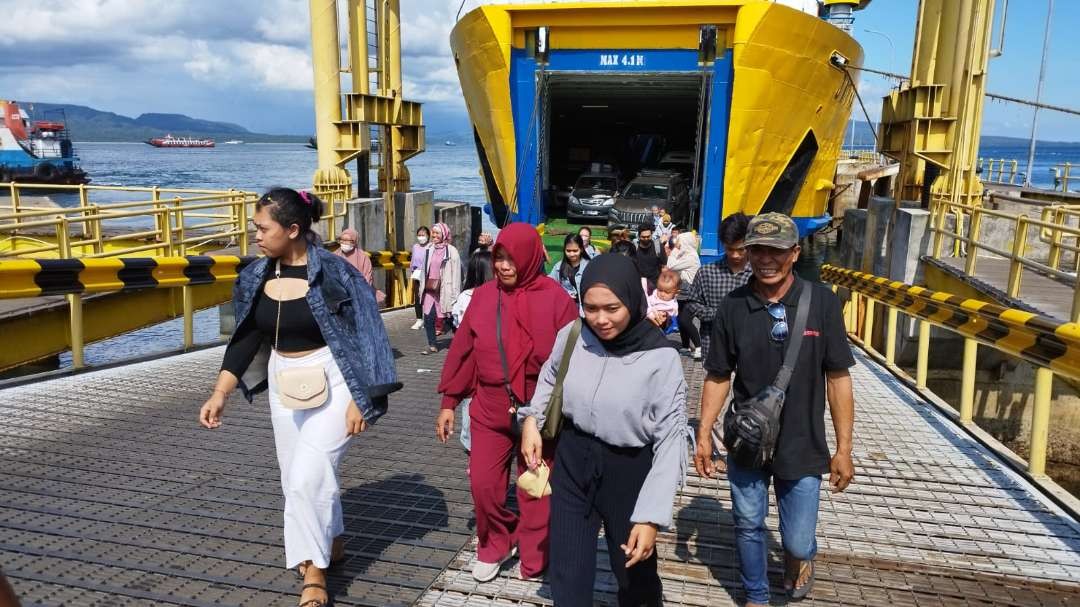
299, 387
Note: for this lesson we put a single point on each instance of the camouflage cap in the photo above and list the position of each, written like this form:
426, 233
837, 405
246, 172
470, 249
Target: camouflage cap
774, 230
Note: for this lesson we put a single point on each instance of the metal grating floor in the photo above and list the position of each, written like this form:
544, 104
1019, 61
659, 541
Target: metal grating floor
932, 519
111, 494
109, 490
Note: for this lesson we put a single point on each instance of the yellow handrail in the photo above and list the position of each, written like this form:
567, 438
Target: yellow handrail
1051, 346
1054, 228
190, 217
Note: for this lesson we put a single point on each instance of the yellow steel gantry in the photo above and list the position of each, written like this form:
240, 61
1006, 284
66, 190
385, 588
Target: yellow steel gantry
935, 119
343, 138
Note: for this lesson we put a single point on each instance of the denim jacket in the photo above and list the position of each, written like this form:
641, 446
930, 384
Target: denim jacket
570, 289
344, 307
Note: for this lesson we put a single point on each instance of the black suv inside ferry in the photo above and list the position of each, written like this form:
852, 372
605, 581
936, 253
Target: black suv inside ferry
668, 190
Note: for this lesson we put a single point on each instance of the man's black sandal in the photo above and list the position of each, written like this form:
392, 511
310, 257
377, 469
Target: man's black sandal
800, 592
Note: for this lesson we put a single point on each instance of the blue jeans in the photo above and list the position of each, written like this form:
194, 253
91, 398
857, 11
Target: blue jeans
798, 501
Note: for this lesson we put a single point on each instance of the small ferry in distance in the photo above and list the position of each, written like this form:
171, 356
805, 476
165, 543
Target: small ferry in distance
37, 151
232, 142
450, 143
168, 141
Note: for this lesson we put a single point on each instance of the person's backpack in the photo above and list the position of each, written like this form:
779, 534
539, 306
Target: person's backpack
751, 426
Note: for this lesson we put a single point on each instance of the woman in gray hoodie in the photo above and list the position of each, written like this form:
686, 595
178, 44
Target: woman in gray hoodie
621, 453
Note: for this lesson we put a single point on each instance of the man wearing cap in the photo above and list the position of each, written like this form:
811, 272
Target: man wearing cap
749, 336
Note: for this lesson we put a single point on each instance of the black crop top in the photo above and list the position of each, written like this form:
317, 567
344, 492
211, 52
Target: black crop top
298, 331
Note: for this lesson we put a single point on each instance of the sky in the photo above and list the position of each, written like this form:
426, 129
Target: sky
248, 61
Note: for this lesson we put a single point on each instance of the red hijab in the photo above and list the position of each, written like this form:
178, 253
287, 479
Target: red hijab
533, 310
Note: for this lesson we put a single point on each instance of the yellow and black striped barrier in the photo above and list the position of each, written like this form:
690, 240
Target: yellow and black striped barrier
40, 277
1040, 340
1051, 346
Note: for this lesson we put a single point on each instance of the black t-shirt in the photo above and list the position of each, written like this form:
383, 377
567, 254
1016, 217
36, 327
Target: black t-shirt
741, 343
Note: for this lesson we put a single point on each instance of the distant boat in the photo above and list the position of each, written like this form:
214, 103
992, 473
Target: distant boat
233, 142
312, 143
168, 141
450, 143
37, 151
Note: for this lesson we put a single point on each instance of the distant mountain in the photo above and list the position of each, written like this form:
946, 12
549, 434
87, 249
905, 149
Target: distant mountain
88, 124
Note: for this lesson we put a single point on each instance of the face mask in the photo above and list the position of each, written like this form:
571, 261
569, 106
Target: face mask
421, 239
347, 248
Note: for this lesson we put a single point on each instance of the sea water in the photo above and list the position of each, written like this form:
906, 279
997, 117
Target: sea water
451, 171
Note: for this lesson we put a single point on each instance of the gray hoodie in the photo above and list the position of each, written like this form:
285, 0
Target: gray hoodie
626, 401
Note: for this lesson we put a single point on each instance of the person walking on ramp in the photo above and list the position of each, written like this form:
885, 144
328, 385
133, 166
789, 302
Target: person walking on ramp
784, 339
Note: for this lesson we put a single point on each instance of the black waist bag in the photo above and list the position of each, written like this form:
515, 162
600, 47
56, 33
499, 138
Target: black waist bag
751, 426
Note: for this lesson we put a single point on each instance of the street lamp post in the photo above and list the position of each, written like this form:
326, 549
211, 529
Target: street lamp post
892, 59
1038, 94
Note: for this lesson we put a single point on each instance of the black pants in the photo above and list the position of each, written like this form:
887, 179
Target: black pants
429, 326
418, 298
687, 331
594, 483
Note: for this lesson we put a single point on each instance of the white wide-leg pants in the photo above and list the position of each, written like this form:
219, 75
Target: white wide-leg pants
310, 445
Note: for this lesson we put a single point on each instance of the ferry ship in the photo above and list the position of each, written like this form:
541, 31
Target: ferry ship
168, 141
37, 151
755, 94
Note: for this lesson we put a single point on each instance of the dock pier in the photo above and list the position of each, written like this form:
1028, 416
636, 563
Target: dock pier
112, 494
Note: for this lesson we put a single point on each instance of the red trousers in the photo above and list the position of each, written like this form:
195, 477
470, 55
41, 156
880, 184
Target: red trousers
497, 527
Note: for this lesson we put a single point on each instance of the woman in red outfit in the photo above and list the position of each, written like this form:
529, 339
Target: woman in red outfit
532, 308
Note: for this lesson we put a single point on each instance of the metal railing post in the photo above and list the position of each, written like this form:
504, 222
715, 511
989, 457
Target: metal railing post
15, 201
95, 230
974, 229
1040, 421
924, 354
1015, 168
1058, 219
967, 380
189, 316
1065, 177
1074, 314
178, 214
890, 336
84, 204
243, 225
155, 198
939, 228
868, 324
74, 300
1016, 269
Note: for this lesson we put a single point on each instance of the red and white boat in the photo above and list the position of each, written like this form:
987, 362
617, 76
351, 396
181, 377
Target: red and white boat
168, 141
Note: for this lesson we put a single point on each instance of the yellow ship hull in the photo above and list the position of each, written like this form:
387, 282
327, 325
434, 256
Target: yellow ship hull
772, 104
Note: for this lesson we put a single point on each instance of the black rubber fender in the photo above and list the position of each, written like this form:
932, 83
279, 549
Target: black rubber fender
45, 170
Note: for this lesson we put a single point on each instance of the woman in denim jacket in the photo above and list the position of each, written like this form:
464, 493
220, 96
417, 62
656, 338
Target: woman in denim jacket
568, 272
301, 306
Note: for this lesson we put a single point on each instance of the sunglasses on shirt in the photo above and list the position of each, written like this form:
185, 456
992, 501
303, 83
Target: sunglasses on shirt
779, 331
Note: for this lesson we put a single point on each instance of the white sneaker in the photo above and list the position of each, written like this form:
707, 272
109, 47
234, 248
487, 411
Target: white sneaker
485, 572
419, 324
697, 354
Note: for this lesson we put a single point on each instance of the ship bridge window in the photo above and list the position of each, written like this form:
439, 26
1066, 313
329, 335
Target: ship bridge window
619, 124
783, 195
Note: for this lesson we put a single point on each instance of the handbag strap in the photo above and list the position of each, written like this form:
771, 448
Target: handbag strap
502, 351
281, 294
792, 354
567, 354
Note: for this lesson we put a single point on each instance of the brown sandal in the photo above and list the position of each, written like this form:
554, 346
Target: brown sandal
337, 555
314, 602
